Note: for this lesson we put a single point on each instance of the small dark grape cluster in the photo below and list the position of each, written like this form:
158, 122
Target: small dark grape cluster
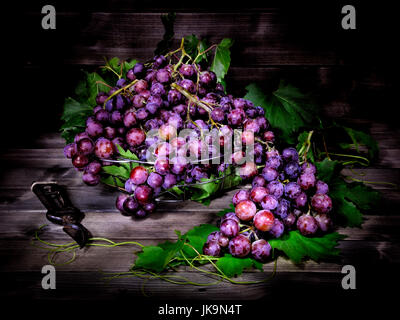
167, 97
284, 196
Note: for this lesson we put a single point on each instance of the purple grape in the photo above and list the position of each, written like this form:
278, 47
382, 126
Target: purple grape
212, 248
130, 205
207, 78
230, 215
116, 118
163, 76
301, 200
277, 229
119, 101
274, 162
179, 165
275, 188
109, 105
218, 114
239, 246
321, 187
261, 250
110, 132
142, 114
290, 154
324, 222
129, 119
139, 175
119, 203
149, 207
187, 70
290, 220
141, 213
188, 85
143, 194
103, 148
235, 118
306, 181
101, 97
94, 129
70, 150
307, 225
229, 228
292, 190
130, 75
282, 210
269, 202
269, 174
102, 116
135, 137
321, 203
161, 166
138, 69
308, 168
155, 180
292, 170
169, 181
90, 179
258, 181
130, 186
159, 61
257, 194
94, 167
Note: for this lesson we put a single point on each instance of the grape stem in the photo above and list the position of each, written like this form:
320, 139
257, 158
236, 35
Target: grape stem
119, 91
191, 98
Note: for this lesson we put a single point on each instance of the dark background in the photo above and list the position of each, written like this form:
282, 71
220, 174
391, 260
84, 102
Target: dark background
351, 73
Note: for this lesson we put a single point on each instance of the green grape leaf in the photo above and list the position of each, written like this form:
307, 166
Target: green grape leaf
361, 138
119, 67
128, 155
190, 44
350, 198
197, 237
232, 266
287, 109
74, 116
222, 59
328, 169
298, 247
168, 21
117, 171
112, 181
157, 258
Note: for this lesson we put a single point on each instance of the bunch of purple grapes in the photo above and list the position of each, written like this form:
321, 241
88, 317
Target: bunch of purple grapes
284, 196
166, 97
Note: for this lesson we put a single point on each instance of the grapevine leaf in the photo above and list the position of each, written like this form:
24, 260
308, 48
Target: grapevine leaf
222, 59
74, 115
190, 44
287, 109
327, 169
168, 21
350, 198
202, 47
156, 258
94, 86
112, 181
230, 209
117, 171
361, 138
196, 238
127, 154
115, 64
204, 190
298, 247
232, 266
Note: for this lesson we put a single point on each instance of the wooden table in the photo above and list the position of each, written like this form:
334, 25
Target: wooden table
372, 249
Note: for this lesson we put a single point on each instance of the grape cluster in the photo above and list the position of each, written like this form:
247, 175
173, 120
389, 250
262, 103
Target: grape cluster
167, 98
284, 196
